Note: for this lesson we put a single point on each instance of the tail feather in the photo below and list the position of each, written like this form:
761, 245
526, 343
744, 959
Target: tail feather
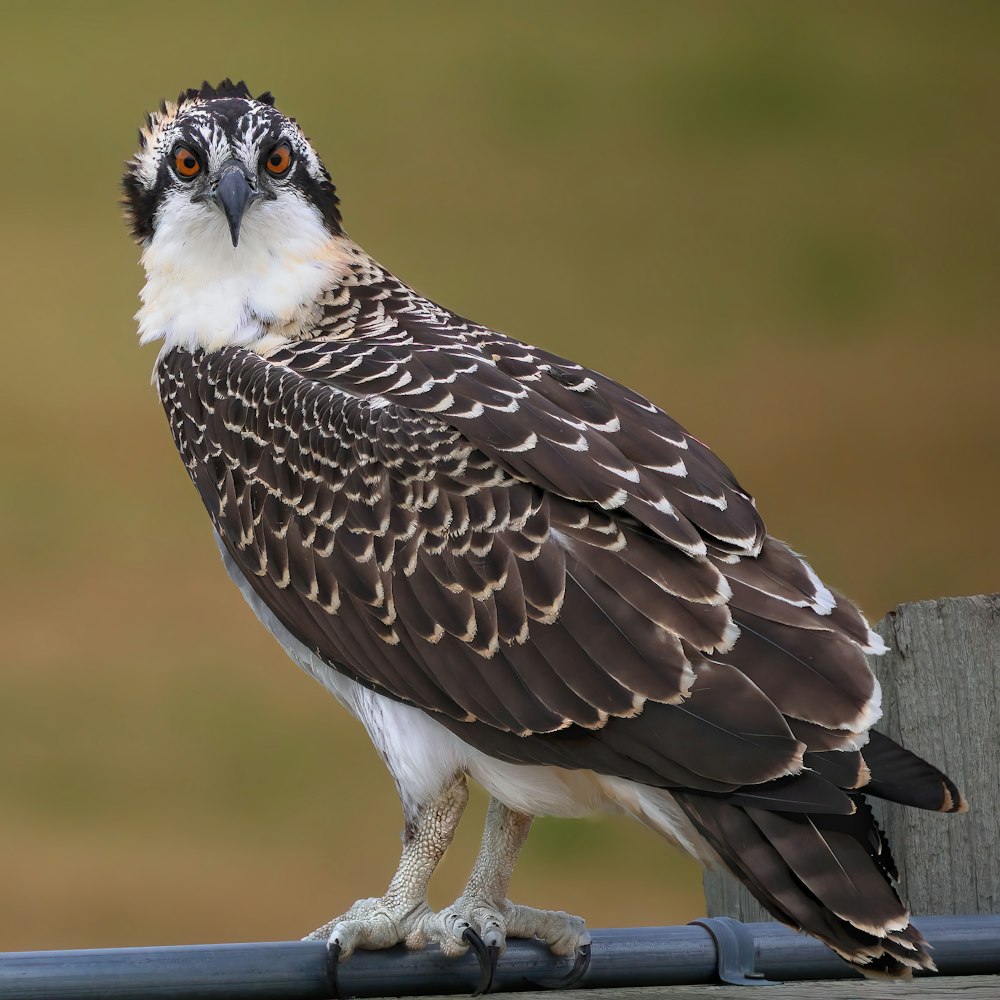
836, 868
803, 792
901, 776
827, 875
866, 831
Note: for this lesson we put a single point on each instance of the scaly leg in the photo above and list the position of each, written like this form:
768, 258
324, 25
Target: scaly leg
403, 914
484, 904
482, 917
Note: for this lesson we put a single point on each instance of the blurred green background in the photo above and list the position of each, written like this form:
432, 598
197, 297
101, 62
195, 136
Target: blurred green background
780, 220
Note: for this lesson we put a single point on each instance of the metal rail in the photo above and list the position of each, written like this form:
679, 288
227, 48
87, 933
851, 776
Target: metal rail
296, 970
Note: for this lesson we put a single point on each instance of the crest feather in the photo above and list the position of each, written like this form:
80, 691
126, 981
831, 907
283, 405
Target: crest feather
224, 89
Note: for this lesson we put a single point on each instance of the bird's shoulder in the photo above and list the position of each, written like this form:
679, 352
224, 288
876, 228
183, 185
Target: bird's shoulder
568, 429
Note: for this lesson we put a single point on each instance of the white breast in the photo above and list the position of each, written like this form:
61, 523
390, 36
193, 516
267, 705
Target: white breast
202, 292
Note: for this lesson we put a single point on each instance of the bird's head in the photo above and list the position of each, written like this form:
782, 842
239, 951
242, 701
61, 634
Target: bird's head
221, 161
237, 219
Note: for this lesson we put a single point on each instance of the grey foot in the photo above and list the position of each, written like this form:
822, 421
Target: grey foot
486, 927
374, 924
377, 923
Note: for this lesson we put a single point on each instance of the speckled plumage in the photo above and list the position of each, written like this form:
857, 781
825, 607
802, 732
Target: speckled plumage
467, 499
540, 561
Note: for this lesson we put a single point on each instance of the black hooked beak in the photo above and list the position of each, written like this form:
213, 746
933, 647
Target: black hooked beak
233, 194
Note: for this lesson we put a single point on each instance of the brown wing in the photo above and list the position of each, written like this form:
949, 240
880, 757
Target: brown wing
413, 548
400, 552
583, 437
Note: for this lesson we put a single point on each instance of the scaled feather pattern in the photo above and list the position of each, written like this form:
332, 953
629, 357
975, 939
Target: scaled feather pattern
555, 571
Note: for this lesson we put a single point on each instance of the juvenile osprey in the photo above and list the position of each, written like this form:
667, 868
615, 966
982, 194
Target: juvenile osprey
508, 567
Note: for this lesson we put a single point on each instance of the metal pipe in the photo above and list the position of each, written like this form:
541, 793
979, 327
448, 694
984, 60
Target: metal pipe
296, 970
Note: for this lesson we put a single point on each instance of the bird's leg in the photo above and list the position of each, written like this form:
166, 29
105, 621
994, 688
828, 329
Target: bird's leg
484, 905
482, 917
403, 914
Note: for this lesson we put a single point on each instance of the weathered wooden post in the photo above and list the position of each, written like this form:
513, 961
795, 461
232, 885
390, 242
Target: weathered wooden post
941, 695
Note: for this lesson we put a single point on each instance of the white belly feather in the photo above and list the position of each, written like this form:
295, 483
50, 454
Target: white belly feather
423, 756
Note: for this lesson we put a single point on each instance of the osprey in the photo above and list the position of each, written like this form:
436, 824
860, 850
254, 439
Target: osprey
508, 567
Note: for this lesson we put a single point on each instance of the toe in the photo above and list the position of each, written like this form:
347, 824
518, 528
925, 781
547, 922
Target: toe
494, 935
376, 931
564, 933
488, 923
457, 934
567, 936
491, 926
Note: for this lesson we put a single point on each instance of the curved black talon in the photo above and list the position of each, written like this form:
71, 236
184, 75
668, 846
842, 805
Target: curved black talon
332, 964
487, 960
493, 951
579, 970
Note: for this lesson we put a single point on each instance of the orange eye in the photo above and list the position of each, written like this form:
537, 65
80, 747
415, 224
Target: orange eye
279, 159
186, 163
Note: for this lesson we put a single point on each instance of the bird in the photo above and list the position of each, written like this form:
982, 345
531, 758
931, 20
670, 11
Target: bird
511, 569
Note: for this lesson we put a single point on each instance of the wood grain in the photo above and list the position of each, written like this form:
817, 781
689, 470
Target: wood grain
941, 699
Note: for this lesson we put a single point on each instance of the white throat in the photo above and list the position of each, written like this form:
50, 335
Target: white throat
200, 291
